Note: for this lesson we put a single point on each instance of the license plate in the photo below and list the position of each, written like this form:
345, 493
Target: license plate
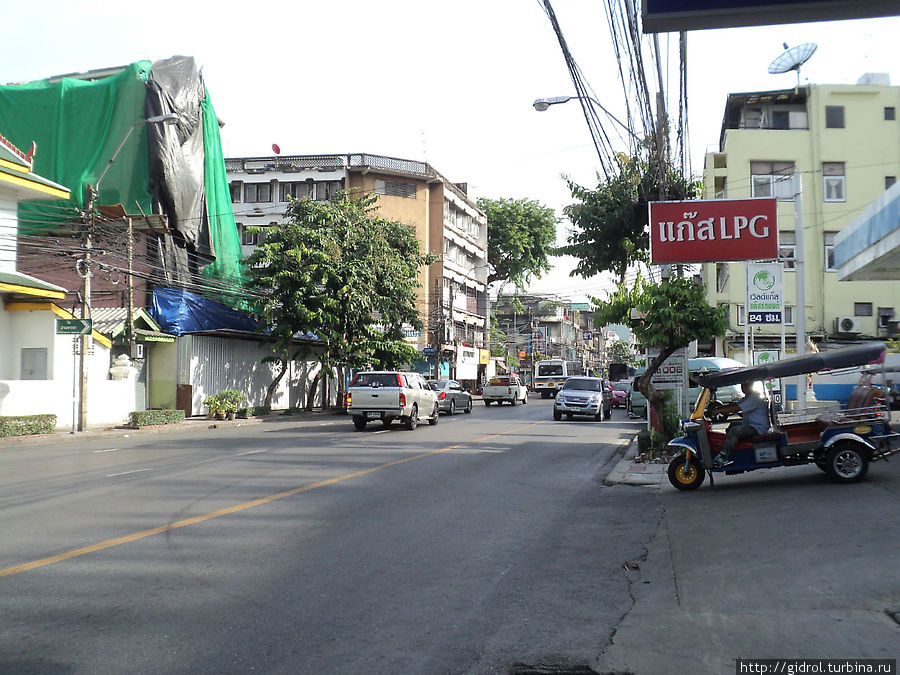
373, 413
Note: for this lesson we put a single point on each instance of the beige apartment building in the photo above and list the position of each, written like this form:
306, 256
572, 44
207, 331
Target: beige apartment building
843, 141
453, 302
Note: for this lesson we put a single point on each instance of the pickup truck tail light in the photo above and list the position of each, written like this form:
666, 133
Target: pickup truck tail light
402, 400
442, 395
509, 390
349, 400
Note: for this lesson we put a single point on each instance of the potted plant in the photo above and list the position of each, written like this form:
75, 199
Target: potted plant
215, 406
231, 401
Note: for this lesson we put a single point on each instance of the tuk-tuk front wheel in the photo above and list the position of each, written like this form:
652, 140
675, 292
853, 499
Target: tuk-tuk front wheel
846, 462
685, 475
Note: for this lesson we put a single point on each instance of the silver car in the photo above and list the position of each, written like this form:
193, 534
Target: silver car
451, 396
583, 396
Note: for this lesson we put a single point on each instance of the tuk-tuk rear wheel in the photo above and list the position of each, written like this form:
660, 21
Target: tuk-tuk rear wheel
846, 462
685, 475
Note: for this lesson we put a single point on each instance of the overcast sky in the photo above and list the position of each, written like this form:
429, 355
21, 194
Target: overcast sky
448, 82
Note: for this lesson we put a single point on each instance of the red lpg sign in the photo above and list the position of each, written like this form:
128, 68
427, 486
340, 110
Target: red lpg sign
714, 230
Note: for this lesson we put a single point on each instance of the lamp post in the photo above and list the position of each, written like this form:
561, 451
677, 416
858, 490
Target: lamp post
83, 266
543, 104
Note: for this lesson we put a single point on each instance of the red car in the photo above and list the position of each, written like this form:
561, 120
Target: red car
620, 393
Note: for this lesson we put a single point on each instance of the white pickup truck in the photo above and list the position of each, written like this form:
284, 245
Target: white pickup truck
508, 388
391, 395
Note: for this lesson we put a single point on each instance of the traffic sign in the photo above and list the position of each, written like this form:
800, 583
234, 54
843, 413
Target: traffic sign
429, 351
74, 326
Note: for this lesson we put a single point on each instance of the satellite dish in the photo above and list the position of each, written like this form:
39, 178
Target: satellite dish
793, 58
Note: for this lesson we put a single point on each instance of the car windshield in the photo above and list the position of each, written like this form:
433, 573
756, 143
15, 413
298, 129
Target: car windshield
586, 385
547, 369
438, 385
375, 380
622, 386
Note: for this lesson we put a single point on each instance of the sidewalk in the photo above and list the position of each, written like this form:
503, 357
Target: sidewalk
190, 424
630, 472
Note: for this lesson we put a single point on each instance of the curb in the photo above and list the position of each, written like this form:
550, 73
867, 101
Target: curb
629, 472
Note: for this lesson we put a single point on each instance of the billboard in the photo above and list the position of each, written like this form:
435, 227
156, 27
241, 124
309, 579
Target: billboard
713, 230
661, 16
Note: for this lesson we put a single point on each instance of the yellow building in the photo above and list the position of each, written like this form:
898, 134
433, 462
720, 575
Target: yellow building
843, 141
453, 302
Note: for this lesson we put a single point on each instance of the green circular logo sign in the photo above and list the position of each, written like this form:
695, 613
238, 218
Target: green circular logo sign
764, 280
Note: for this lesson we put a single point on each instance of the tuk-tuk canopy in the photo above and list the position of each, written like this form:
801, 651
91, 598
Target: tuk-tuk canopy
848, 357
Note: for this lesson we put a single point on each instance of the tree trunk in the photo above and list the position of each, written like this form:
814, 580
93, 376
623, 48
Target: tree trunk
311, 394
655, 397
270, 392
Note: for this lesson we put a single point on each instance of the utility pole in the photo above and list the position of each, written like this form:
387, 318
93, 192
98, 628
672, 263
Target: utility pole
129, 331
85, 274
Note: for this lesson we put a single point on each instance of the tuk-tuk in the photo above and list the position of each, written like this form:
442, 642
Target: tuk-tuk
841, 442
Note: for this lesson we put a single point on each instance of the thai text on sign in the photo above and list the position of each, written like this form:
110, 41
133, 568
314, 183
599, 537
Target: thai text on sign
714, 230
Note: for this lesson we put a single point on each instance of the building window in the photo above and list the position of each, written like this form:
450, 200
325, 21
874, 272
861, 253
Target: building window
772, 179
741, 315
788, 315
34, 363
890, 113
862, 309
257, 193
325, 190
786, 248
395, 188
235, 189
834, 116
781, 119
833, 178
829, 252
295, 190
889, 181
885, 315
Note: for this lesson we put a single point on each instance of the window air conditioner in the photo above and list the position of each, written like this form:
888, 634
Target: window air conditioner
847, 325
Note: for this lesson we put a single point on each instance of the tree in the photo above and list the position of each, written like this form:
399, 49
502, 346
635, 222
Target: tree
610, 222
338, 272
620, 352
521, 239
675, 313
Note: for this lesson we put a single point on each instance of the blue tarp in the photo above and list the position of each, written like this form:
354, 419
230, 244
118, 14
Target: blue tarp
179, 312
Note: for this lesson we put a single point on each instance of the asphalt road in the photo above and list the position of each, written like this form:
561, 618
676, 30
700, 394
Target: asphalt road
483, 544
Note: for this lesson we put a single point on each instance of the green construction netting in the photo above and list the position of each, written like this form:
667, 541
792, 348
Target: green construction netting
78, 125
223, 231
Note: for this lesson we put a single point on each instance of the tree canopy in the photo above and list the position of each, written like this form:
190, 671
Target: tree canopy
609, 231
521, 238
669, 316
342, 273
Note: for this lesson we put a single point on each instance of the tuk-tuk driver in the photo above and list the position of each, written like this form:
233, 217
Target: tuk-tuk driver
755, 413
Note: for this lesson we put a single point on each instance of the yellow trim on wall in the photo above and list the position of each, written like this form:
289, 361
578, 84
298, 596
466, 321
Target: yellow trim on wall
28, 290
59, 311
12, 166
37, 187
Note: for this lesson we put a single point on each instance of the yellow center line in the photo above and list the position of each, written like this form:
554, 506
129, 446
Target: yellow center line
118, 541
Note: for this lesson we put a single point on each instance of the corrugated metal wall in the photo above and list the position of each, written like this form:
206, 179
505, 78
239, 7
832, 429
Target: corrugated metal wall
210, 364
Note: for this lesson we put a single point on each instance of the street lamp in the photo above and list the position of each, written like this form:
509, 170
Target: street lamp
542, 104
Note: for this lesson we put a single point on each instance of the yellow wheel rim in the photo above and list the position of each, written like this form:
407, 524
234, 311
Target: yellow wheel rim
688, 476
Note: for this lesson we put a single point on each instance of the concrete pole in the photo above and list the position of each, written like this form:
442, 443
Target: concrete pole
800, 321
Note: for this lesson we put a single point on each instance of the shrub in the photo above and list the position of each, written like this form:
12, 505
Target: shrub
27, 425
643, 441
146, 418
253, 411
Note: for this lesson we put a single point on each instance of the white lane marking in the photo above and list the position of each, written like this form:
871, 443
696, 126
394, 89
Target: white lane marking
383, 431
126, 473
109, 450
250, 452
